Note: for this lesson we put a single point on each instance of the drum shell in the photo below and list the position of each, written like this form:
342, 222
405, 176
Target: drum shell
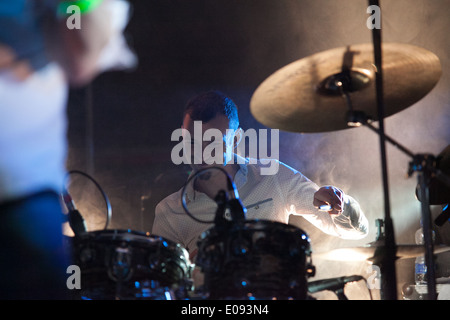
124, 264
255, 259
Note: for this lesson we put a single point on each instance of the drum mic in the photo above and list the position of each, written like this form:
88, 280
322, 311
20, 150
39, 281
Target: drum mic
237, 209
234, 204
75, 218
332, 284
229, 206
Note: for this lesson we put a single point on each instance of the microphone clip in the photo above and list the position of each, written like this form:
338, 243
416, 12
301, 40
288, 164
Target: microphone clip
232, 208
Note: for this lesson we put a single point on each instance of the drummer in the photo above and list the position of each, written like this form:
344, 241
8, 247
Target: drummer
270, 197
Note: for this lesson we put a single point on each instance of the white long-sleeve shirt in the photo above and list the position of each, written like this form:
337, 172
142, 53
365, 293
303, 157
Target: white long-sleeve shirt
267, 197
33, 119
32, 132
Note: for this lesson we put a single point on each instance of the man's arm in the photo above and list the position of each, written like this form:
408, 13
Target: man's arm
344, 219
352, 221
344, 210
21, 69
161, 225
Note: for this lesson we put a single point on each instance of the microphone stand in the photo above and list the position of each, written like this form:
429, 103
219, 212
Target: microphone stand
340, 294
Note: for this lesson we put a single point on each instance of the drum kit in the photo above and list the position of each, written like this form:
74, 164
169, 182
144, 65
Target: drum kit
256, 259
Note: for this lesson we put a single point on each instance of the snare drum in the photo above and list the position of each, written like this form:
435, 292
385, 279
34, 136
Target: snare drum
124, 264
255, 259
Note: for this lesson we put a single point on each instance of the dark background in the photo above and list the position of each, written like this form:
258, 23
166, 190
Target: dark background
120, 125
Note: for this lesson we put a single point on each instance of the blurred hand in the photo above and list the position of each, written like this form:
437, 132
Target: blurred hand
332, 196
8, 62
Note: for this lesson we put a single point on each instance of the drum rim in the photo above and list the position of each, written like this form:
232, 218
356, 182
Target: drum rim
262, 222
130, 236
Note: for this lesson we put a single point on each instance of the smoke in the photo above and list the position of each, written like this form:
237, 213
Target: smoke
233, 48
350, 159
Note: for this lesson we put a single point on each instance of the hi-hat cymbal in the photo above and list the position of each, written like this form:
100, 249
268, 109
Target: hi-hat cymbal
302, 96
368, 252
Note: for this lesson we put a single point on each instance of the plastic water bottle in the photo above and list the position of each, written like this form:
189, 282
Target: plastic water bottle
420, 263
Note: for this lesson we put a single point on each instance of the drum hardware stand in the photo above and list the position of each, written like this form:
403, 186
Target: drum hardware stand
380, 257
389, 291
221, 199
443, 216
343, 84
425, 165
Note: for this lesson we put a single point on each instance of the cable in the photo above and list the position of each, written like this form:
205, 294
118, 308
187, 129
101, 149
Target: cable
231, 187
369, 290
105, 197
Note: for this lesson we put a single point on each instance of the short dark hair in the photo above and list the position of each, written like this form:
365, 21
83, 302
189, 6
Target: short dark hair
208, 105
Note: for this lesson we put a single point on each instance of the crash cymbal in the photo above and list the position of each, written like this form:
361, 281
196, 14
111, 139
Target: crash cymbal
304, 97
367, 252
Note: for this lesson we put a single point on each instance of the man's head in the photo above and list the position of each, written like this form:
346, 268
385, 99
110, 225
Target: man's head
209, 105
215, 111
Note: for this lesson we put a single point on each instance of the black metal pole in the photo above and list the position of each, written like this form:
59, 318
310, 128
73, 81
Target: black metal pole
89, 138
389, 292
425, 163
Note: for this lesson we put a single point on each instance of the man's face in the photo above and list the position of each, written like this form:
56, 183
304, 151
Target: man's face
219, 123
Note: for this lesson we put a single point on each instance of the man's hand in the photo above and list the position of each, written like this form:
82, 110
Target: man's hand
8, 62
332, 196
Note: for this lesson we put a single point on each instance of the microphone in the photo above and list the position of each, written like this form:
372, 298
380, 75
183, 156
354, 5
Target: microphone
75, 218
237, 209
332, 284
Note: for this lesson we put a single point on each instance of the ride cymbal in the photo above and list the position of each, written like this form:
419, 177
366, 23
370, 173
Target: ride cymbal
304, 96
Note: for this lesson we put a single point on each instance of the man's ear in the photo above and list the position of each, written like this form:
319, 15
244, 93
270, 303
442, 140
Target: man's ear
238, 134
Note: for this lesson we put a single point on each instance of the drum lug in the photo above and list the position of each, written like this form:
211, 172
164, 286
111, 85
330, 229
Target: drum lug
120, 269
310, 270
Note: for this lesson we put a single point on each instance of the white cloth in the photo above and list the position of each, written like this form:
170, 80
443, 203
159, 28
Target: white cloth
444, 292
117, 55
33, 120
32, 132
267, 197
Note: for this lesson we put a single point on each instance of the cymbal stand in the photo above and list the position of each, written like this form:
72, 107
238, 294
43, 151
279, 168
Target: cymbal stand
390, 277
425, 165
344, 83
